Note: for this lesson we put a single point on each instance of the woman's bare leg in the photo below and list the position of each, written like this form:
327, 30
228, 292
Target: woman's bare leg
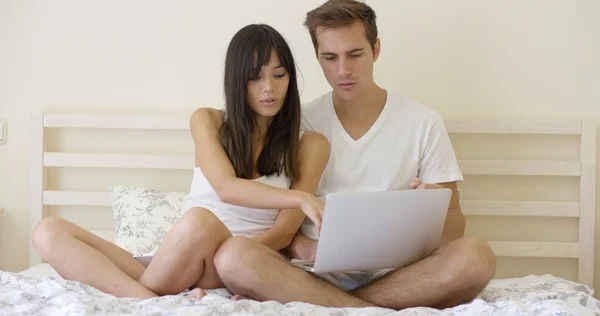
185, 257
77, 254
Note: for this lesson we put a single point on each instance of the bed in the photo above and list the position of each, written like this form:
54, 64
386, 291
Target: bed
40, 290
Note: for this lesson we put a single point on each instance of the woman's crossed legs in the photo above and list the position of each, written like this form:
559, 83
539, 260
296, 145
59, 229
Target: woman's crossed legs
184, 259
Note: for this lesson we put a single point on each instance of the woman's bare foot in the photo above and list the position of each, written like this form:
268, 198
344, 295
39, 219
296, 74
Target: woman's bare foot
239, 297
197, 293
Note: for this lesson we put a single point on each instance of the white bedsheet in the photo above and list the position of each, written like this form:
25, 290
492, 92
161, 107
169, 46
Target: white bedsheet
38, 291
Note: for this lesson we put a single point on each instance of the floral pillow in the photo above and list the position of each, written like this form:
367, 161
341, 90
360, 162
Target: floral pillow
143, 216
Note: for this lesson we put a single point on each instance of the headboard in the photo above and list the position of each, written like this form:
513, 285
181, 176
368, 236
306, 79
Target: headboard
584, 168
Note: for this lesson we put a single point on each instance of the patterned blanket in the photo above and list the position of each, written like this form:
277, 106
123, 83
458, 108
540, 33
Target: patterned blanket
46, 295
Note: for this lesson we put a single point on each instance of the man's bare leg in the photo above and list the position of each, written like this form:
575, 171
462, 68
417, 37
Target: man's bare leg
252, 270
454, 274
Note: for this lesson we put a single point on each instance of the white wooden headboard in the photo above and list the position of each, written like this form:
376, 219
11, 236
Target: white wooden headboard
584, 168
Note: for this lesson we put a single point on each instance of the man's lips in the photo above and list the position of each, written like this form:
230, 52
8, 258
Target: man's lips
347, 84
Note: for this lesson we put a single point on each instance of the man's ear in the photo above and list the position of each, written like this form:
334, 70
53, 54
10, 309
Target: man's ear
376, 49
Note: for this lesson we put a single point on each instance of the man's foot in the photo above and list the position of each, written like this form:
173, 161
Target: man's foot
197, 293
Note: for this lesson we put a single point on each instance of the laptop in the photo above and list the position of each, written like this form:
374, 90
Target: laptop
379, 230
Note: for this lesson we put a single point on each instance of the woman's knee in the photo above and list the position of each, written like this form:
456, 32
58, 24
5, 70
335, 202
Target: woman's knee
47, 232
199, 225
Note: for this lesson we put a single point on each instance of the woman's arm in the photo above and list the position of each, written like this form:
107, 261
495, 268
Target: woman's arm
313, 158
211, 158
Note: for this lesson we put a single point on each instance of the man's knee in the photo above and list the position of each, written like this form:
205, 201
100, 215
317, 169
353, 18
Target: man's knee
235, 261
476, 259
234, 254
471, 264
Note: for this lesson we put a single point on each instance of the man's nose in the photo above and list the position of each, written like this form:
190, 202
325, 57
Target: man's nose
344, 67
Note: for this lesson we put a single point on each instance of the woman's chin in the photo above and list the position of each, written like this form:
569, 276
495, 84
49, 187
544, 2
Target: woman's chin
268, 113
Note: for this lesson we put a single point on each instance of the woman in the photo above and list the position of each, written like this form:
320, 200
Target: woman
255, 176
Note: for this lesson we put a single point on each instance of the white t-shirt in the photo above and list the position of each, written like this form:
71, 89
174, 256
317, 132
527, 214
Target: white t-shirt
407, 140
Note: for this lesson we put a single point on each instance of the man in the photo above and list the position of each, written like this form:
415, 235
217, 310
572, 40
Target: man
379, 141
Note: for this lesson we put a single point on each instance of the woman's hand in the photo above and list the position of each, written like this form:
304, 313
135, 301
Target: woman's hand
312, 156
313, 208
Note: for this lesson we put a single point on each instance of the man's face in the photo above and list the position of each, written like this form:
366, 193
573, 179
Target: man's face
346, 58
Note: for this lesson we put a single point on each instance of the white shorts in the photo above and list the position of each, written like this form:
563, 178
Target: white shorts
348, 281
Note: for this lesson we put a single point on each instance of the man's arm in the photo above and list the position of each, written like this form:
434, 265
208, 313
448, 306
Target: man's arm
439, 165
455, 220
313, 158
302, 248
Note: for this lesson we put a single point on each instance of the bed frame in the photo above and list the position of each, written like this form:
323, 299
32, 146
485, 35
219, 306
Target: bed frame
584, 169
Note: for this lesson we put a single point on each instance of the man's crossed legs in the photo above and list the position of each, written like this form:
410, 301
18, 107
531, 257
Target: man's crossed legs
455, 273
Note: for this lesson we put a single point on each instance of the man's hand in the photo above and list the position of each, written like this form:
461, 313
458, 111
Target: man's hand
416, 184
303, 248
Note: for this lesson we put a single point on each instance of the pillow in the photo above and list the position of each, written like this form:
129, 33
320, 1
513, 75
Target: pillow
143, 216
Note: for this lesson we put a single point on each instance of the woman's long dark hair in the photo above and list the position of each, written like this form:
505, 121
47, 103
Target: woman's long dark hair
249, 49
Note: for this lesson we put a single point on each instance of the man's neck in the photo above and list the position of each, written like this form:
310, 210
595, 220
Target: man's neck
369, 104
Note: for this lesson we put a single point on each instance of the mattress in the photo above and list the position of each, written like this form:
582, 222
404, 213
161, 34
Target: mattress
40, 291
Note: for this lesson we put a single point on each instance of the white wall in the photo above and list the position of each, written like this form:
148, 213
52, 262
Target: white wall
467, 59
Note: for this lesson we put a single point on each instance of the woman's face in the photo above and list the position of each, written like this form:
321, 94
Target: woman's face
267, 93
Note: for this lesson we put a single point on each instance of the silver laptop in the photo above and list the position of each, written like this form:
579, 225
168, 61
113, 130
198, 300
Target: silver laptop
379, 230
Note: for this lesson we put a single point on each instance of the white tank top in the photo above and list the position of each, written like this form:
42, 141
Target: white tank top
241, 221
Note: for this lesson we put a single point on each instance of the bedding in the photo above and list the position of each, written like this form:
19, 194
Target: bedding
40, 291
143, 216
